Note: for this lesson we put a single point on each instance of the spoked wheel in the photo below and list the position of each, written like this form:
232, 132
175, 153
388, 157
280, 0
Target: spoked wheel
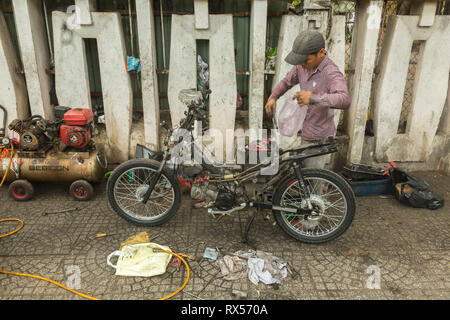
21, 190
332, 202
128, 184
81, 190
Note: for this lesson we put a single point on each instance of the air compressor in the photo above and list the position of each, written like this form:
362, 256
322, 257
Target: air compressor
60, 151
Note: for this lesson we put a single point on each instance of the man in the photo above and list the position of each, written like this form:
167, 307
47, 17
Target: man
322, 86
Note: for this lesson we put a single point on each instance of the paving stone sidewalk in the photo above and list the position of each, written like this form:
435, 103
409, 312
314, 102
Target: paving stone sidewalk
409, 247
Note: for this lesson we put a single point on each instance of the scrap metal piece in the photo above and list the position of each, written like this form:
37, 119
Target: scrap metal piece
60, 211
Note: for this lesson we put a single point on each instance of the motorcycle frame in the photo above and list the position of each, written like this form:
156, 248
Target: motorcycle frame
293, 160
197, 112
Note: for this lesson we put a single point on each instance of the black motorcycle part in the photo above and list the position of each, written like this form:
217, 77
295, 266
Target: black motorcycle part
225, 200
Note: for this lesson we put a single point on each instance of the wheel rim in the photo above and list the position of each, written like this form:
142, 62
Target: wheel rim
80, 192
130, 188
20, 192
327, 200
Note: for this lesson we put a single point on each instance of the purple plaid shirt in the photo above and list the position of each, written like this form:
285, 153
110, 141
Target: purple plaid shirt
329, 92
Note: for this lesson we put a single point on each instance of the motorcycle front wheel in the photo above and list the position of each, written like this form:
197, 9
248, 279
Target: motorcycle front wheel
332, 202
130, 181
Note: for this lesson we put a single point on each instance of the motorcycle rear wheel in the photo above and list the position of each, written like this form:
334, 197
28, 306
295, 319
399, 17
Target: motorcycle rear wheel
331, 198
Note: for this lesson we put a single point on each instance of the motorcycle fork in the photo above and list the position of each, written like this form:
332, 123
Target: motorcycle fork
153, 180
299, 175
304, 191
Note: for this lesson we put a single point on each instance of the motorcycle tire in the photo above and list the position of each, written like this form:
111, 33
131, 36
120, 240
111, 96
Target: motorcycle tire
127, 185
302, 228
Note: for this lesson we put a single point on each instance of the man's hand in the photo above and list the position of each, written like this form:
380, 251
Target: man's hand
303, 98
271, 107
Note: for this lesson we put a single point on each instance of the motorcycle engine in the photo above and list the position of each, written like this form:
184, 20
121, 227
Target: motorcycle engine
204, 191
222, 196
32, 132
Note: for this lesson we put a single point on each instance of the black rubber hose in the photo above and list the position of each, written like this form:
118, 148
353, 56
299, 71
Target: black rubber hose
36, 116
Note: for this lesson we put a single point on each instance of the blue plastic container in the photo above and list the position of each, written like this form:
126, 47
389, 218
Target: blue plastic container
372, 187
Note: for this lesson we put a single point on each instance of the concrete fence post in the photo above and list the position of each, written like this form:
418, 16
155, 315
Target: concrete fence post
13, 91
34, 50
364, 46
147, 50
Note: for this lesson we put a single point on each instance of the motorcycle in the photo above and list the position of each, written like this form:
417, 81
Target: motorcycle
311, 205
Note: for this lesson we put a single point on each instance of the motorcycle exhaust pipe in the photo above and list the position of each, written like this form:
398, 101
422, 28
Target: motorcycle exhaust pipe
265, 205
228, 212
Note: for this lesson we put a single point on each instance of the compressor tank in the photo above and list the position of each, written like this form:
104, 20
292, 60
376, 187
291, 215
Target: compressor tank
55, 166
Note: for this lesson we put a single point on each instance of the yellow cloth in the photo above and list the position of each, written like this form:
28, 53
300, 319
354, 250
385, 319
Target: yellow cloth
139, 238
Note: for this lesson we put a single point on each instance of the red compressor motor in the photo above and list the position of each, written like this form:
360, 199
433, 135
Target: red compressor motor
76, 131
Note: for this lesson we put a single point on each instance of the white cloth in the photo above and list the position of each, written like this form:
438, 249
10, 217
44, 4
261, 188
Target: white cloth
232, 267
260, 266
264, 267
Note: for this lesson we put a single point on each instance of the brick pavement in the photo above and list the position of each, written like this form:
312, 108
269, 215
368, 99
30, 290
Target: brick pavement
410, 248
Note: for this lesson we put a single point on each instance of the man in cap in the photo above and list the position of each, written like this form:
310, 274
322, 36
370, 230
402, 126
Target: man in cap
322, 86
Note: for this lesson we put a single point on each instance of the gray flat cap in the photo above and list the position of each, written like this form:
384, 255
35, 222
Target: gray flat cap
306, 43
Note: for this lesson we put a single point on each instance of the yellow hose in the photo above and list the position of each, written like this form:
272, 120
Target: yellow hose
51, 281
11, 233
187, 277
92, 298
82, 294
9, 164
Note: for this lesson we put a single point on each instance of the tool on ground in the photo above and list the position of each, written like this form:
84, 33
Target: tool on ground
60, 211
294, 272
101, 235
175, 261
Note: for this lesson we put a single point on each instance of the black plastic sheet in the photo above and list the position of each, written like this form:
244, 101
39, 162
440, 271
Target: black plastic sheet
414, 191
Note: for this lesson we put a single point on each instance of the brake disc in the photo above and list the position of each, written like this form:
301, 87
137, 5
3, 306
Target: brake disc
318, 205
140, 191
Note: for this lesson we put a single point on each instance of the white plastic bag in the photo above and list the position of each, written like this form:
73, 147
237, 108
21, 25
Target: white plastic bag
140, 260
291, 117
202, 72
